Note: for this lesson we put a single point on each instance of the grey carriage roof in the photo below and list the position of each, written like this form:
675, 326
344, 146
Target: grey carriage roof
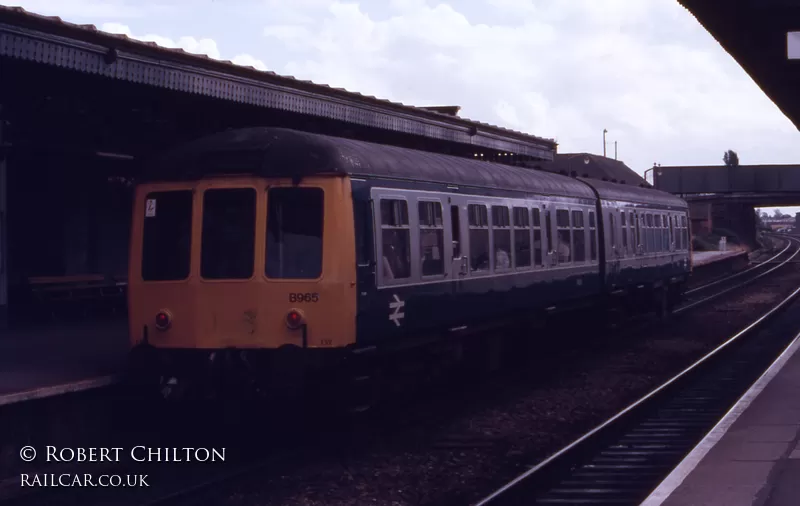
614, 191
280, 152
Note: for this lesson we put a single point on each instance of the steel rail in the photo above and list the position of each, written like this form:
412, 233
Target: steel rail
501, 495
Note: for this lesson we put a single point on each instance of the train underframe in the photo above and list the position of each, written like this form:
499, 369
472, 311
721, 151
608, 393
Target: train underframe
352, 377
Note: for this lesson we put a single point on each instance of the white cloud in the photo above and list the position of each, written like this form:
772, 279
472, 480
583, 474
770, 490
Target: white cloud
204, 46
98, 9
249, 61
647, 71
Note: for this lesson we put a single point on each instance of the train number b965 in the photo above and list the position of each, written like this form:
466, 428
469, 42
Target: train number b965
303, 297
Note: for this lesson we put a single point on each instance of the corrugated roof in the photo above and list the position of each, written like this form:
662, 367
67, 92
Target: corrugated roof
90, 33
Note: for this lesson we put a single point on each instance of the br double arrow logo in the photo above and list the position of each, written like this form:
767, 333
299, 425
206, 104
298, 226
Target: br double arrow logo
396, 308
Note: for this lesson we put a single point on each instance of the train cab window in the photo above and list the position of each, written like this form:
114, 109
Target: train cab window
564, 247
501, 231
537, 237
431, 238
228, 237
294, 233
478, 237
624, 225
395, 239
522, 237
578, 236
167, 235
592, 237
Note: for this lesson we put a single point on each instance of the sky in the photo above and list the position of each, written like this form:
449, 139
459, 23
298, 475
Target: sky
646, 71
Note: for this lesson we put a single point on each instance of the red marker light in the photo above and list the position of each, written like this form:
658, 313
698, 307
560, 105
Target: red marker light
294, 319
163, 320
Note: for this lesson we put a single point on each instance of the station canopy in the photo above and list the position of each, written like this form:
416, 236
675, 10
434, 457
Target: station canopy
762, 36
73, 87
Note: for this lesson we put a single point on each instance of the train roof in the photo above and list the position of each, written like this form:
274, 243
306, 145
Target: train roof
282, 152
649, 196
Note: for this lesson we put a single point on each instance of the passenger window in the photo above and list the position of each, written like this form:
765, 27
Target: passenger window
643, 232
564, 247
295, 218
455, 225
592, 236
501, 230
167, 236
478, 237
672, 232
639, 242
624, 225
431, 238
665, 232
548, 223
685, 232
612, 226
634, 236
650, 236
395, 239
657, 232
522, 237
537, 237
578, 236
228, 240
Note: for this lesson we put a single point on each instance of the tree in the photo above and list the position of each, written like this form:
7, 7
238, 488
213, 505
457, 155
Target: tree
730, 158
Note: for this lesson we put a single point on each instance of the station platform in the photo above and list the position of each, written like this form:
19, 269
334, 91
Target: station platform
53, 359
752, 456
700, 258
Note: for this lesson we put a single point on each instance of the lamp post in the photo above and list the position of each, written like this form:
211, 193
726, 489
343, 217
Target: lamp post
615, 150
604, 142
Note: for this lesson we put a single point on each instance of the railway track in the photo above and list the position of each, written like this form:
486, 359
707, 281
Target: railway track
622, 460
187, 485
702, 294
755, 267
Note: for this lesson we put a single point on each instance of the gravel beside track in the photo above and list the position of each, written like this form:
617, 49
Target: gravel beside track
466, 442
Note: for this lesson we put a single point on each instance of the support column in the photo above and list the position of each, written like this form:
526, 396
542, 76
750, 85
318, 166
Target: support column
3, 230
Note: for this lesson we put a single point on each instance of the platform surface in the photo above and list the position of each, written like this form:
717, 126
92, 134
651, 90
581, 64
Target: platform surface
752, 456
48, 360
706, 257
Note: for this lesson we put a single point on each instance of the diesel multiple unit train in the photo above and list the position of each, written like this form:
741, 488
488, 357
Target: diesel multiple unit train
265, 252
